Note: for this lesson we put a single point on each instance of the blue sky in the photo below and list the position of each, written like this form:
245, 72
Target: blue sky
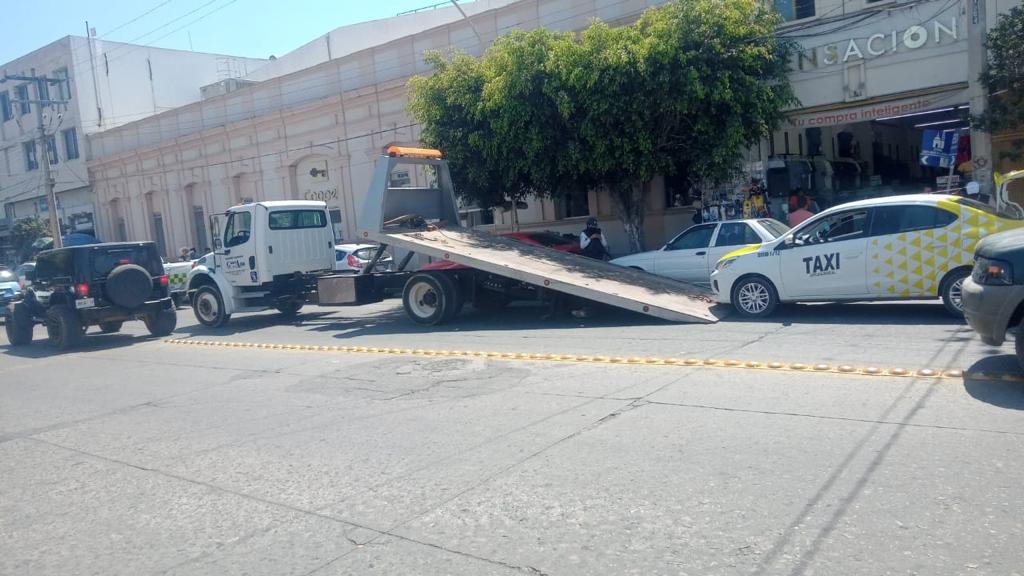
252, 28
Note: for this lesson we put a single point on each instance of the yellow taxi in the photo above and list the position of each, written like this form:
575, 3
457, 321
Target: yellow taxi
898, 247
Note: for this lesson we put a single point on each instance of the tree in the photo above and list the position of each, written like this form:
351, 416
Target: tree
26, 231
1004, 78
492, 119
682, 91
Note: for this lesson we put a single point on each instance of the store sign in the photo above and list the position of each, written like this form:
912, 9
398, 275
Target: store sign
879, 44
876, 111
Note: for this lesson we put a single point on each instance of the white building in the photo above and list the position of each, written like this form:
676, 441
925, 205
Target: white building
315, 131
109, 84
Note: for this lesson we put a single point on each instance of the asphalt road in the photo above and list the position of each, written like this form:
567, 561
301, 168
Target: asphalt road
137, 456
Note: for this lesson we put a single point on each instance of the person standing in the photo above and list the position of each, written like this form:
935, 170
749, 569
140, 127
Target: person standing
593, 244
802, 213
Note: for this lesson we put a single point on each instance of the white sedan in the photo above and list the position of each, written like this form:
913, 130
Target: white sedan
691, 256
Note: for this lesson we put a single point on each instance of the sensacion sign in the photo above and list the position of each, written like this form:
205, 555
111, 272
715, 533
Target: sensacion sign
879, 44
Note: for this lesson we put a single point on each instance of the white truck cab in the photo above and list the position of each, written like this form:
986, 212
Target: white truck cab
267, 255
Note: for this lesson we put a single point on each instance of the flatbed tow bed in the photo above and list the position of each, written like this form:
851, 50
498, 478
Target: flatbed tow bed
425, 221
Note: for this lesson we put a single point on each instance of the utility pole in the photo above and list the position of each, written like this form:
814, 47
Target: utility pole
42, 89
977, 63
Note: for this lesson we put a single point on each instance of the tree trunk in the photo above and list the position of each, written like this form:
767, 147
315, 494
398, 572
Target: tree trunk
629, 201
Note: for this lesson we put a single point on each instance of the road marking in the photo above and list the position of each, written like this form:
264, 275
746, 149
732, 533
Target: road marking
873, 371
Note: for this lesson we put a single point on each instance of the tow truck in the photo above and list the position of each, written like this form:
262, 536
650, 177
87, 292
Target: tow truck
279, 255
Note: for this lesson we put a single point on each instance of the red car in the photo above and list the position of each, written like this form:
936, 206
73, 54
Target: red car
545, 238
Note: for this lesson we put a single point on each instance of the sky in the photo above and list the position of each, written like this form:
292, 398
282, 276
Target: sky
250, 28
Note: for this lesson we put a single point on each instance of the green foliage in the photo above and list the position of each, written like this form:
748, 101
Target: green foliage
26, 231
1004, 78
682, 91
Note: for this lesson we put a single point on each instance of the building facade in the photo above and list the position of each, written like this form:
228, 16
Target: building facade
106, 84
314, 132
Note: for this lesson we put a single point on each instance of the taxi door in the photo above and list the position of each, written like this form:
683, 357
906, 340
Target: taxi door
911, 248
828, 259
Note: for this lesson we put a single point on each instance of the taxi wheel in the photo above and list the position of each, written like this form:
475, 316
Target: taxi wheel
953, 291
1019, 345
754, 297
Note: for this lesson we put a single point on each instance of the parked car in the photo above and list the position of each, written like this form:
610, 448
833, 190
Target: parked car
98, 284
994, 293
354, 257
177, 275
691, 256
898, 247
21, 273
9, 290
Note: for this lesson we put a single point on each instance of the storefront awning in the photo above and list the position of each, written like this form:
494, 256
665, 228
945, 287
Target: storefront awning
878, 108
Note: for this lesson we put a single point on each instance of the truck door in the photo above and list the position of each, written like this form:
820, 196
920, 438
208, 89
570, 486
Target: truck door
237, 255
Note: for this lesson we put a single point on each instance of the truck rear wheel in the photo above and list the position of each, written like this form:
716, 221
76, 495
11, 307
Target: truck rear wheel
426, 297
453, 292
208, 306
63, 328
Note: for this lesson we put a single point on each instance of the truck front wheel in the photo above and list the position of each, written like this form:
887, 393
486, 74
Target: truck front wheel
425, 299
208, 306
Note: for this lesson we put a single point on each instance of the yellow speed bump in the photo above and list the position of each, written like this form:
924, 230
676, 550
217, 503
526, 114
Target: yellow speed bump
717, 363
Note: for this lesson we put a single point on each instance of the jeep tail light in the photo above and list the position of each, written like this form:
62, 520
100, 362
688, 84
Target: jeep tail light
164, 280
82, 290
354, 262
124, 261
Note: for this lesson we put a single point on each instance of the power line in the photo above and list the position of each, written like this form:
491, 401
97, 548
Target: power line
137, 18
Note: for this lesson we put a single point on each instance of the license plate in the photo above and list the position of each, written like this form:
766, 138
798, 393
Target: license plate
85, 303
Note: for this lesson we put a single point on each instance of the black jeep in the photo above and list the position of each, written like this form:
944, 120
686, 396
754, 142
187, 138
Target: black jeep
99, 284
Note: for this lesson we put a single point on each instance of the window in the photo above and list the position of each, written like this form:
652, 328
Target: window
575, 204
21, 95
693, 238
794, 9
896, 219
335, 214
199, 223
158, 233
238, 229
51, 149
70, 144
5, 106
736, 234
400, 178
122, 230
774, 227
297, 219
837, 227
63, 90
31, 163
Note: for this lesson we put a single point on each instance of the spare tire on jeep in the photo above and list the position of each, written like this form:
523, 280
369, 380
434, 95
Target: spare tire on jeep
129, 285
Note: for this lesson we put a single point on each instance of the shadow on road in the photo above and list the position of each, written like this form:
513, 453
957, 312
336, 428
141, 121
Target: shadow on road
91, 343
997, 392
861, 313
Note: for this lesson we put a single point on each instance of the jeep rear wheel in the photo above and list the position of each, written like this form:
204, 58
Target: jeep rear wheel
162, 322
110, 327
19, 325
63, 327
208, 306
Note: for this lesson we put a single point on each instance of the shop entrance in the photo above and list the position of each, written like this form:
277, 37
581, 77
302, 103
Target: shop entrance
879, 155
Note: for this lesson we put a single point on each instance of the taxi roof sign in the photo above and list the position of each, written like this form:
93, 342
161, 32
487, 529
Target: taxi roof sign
413, 152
